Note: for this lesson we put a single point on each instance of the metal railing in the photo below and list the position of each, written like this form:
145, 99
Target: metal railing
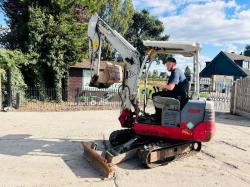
34, 99
220, 94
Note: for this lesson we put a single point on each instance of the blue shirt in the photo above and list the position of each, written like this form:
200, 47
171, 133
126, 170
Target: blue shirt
177, 76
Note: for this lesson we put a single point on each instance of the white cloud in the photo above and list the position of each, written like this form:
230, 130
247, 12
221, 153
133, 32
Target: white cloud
209, 23
156, 7
159, 7
183, 62
231, 48
223, 23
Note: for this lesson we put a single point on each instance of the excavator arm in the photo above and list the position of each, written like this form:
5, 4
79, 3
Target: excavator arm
131, 58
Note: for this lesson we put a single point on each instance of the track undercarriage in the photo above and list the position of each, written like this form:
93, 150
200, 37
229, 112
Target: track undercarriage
125, 144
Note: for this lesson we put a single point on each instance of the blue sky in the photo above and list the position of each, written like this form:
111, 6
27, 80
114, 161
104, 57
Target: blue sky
216, 24
2, 22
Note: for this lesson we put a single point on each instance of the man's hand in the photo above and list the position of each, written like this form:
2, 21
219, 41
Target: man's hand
158, 85
162, 86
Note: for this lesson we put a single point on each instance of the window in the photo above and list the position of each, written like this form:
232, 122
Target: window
86, 76
245, 65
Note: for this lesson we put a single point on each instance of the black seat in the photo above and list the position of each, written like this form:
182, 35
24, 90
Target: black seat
181, 93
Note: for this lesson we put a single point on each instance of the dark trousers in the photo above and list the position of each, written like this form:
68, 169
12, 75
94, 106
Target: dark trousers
158, 111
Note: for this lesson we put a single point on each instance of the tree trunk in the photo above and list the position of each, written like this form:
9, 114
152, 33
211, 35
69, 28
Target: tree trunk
58, 87
65, 83
40, 85
9, 88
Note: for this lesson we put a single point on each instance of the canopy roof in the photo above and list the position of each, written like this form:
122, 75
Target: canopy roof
184, 48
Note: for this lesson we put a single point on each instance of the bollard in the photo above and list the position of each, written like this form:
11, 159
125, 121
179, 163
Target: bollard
17, 100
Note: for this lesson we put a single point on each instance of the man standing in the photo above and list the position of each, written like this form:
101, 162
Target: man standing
176, 87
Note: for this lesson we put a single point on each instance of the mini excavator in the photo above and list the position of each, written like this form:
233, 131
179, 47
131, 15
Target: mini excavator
184, 124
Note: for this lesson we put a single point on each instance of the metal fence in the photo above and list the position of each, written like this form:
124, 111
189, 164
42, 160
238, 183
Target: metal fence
34, 99
221, 96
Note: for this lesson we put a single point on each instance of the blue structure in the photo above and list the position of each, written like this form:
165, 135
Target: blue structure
227, 64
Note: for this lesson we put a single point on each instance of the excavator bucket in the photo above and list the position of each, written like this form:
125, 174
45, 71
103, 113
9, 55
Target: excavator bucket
98, 161
105, 161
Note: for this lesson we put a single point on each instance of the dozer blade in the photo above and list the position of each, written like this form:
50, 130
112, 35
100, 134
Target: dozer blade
99, 162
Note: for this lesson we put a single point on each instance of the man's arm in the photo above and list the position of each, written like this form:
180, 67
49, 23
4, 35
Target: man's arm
173, 80
169, 86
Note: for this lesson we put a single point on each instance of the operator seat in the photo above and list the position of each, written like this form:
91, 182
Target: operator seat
166, 102
170, 107
181, 93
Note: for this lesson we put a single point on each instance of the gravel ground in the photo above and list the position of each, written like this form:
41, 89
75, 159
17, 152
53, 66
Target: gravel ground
43, 149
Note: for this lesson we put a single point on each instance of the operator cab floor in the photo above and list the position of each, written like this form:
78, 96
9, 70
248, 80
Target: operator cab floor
150, 120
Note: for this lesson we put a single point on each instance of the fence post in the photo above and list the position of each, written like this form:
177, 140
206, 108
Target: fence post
234, 97
9, 88
17, 100
77, 96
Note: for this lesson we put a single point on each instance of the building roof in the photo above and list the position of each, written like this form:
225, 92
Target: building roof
234, 56
247, 71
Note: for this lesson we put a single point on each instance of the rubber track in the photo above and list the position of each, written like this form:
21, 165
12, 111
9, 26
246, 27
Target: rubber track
146, 150
121, 136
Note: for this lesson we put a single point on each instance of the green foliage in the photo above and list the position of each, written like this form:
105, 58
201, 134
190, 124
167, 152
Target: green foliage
247, 51
163, 75
144, 27
12, 60
118, 14
155, 74
53, 35
187, 71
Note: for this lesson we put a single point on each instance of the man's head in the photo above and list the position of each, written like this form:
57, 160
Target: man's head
170, 63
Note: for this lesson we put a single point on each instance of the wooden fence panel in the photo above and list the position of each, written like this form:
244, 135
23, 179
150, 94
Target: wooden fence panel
240, 101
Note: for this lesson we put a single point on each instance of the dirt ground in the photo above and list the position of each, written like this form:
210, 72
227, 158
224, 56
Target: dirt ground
43, 149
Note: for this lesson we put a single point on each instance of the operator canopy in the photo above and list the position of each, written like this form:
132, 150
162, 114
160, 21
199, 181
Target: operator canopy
184, 48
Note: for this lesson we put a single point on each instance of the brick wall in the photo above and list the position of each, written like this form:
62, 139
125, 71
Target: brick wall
74, 82
75, 79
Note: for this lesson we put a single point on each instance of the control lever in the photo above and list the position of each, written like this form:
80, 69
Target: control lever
149, 93
154, 89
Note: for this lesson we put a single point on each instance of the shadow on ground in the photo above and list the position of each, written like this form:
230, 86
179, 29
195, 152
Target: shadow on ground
70, 151
229, 119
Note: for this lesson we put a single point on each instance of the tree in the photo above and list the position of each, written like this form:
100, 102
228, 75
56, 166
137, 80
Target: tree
10, 74
12, 60
155, 74
188, 73
55, 42
53, 35
163, 75
247, 51
144, 27
118, 14
150, 74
